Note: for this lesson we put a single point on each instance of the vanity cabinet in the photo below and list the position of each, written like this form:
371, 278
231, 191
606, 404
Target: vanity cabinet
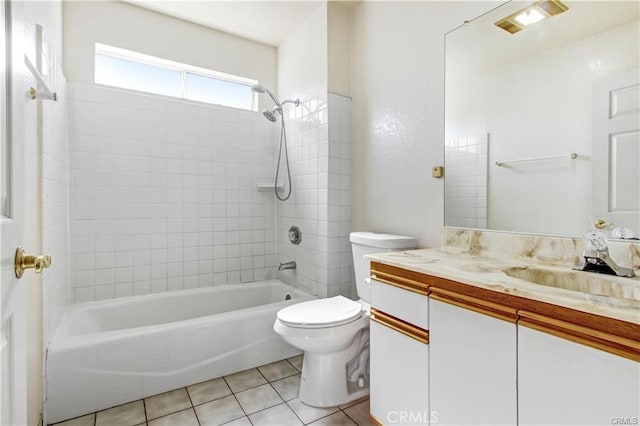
496, 357
399, 360
565, 383
472, 363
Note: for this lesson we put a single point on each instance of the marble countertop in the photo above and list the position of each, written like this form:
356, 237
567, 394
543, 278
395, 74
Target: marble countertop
604, 295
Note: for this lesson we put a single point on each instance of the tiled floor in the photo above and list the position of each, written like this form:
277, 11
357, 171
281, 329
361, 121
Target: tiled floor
266, 395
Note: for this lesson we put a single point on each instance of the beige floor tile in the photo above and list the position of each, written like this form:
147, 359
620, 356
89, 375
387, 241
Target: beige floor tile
296, 361
208, 391
256, 399
181, 418
357, 401
280, 415
220, 411
336, 419
288, 388
245, 380
167, 403
359, 413
307, 413
243, 421
278, 370
88, 420
123, 415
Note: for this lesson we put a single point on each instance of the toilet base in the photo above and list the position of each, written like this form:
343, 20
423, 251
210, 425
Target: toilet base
324, 382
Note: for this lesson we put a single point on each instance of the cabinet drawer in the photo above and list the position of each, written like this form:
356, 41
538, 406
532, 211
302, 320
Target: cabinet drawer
400, 303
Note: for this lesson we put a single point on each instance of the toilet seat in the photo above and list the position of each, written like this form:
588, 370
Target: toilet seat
321, 313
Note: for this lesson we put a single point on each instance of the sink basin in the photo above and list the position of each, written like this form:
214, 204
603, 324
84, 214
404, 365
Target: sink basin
605, 288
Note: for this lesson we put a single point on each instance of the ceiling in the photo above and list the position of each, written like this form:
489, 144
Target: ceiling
481, 45
264, 21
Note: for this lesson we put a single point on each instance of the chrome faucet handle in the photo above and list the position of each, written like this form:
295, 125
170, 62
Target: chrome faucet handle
595, 240
596, 256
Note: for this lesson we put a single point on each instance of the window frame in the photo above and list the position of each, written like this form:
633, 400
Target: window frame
184, 69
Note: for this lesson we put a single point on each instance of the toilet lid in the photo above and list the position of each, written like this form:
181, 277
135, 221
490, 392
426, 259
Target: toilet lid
321, 313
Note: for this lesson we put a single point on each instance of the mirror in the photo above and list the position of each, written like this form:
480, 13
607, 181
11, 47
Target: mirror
542, 121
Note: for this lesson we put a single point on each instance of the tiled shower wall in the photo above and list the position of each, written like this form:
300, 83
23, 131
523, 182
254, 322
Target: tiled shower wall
163, 194
340, 276
307, 139
466, 168
55, 202
320, 155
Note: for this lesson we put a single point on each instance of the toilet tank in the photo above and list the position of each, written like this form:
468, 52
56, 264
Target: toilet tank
363, 243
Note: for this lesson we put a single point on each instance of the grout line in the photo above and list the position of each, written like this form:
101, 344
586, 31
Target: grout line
193, 407
349, 417
144, 406
258, 370
236, 398
294, 412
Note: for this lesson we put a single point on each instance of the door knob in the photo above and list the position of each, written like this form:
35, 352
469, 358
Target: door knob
27, 261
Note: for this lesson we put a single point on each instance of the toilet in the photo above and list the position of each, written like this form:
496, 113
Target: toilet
334, 332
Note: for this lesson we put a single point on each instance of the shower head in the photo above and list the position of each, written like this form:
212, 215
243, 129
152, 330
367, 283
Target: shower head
261, 89
270, 115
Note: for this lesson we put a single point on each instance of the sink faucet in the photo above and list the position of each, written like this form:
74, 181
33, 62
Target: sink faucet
286, 265
597, 259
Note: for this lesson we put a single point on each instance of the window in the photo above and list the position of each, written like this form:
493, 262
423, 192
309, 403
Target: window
136, 71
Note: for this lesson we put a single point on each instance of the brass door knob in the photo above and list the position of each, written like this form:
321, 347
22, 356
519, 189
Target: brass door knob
27, 261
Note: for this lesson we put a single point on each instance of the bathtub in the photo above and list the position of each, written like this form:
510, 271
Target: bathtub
111, 352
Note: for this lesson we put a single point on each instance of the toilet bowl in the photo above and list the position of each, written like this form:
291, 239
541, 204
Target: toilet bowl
334, 332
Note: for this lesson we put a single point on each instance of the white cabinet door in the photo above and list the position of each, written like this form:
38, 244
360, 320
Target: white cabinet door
399, 377
472, 367
565, 383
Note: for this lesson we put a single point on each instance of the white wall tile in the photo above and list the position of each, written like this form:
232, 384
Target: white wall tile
156, 185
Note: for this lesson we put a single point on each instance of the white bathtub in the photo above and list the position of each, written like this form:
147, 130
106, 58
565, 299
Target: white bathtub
107, 353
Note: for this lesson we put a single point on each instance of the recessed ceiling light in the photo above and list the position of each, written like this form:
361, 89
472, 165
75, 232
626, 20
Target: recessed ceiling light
528, 17
531, 14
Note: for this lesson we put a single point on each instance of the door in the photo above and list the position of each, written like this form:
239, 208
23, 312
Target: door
13, 359
616, 150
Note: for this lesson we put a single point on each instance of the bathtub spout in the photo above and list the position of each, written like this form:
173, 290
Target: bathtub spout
286, 265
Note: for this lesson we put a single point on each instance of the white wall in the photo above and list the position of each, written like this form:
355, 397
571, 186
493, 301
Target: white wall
302, 58
46, 142
320, 151
163, 194
302, 73
129, 27
398, 113
339, 48
510, 103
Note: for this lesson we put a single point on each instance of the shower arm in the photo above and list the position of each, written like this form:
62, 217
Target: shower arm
288, 101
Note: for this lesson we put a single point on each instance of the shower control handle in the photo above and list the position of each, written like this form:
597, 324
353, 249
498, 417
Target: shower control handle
295, 235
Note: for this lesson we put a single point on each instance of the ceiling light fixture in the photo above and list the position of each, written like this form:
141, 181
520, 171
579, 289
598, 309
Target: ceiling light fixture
531, 14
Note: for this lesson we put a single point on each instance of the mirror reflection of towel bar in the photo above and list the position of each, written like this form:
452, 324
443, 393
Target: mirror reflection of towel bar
571, 156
